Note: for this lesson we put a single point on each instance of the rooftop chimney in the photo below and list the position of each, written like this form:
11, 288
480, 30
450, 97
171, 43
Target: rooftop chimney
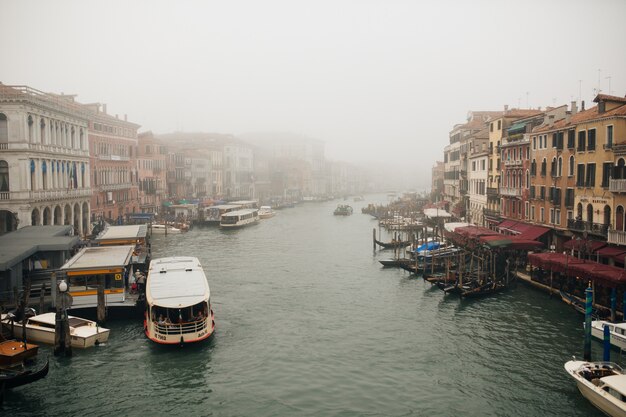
574, 108
582, 105
104, 108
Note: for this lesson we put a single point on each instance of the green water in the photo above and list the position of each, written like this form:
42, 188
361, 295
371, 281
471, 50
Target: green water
309, 324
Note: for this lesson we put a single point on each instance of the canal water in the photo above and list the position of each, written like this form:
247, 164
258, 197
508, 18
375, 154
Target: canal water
310, 324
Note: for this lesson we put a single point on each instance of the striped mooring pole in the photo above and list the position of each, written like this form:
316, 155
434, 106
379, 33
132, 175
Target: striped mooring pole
607, 344
588, 302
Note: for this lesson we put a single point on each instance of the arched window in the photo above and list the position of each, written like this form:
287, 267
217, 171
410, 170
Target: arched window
553, 167
570, 167
42, 131
533, 168
589, 213
519, 179
32, 175
619, 169
4, 176
607, 215
44, 175
527, 178
4, 128
543, 167
619, 218
30, 128
559, 169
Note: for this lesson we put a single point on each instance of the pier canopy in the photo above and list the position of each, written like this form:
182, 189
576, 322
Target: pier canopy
523, 229
574, 267
509, 242
434, 213
122, 235
584, 244
616, 253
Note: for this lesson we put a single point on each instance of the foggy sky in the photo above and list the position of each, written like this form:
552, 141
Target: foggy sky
381, 81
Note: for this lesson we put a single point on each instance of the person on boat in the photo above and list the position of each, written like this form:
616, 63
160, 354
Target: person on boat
167, 321
161, 321
141, 281
199, 316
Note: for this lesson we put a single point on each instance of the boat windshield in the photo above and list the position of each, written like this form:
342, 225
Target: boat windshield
194, 313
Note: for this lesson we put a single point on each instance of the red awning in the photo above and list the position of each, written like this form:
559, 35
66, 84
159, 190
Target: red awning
507, 224
509, 242
614, 252
534, 232
592, 270
578, 244
556, 262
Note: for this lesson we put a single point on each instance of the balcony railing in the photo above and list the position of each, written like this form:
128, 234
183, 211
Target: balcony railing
59, 194
513, 163
491, 213
114, 187
113, 158
617, 237
598, 229
617, 186
510, 191
492, 191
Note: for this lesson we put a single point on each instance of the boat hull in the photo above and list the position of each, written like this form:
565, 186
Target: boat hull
598, 400
43, 335
617, 340
13, 379
175, 338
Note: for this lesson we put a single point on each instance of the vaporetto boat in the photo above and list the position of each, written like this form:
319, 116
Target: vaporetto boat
239, 218
41, 329
178, 302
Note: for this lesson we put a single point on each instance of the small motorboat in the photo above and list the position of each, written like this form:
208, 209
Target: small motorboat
617, 330
164, 229
266, 212
602, 383
13, 352
41, 328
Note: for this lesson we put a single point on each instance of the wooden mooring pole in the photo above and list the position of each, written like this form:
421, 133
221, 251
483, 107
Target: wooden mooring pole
101, 311
374, 238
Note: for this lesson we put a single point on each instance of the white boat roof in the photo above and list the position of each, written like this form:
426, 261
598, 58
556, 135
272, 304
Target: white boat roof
600, 323
177, 281
617, 382
134, 231
50, 318
225, 206
266, 208
239, 212
436, 213
100, 257
241, 202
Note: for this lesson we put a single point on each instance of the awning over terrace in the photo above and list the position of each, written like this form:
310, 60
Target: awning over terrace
579, 244
574, 267
523, 230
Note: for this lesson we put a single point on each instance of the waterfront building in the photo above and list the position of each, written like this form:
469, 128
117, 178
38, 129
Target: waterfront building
201, 174
436, 188
515, 166
238, 171
552, 171
151, 168
477, 175
113, 155
44, 166
453, 163
498, 125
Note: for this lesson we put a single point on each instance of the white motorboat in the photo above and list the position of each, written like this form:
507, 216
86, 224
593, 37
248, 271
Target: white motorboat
41, 328
602, 383
618, 332
265, 212
164, 229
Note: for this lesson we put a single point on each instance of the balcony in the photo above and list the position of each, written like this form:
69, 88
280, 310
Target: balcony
598, 229
617, 237
510, 191
513, 163
491, 191
617, 186
491, 213
113, 158
114, 187
44, 195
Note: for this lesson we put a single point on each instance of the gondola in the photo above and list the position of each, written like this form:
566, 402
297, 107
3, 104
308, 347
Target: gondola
483, 290
18, 376
392, 244
597, 312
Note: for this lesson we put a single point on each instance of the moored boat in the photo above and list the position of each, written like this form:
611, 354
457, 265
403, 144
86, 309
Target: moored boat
16, 376
602, 383
178, 302
41, 328
617, 331
164, 229
266, 212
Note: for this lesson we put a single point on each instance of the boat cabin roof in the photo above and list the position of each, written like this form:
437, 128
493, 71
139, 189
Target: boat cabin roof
177, 281
100, 257
617, 382
134, 231
239, 212
225, 206
50, 318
